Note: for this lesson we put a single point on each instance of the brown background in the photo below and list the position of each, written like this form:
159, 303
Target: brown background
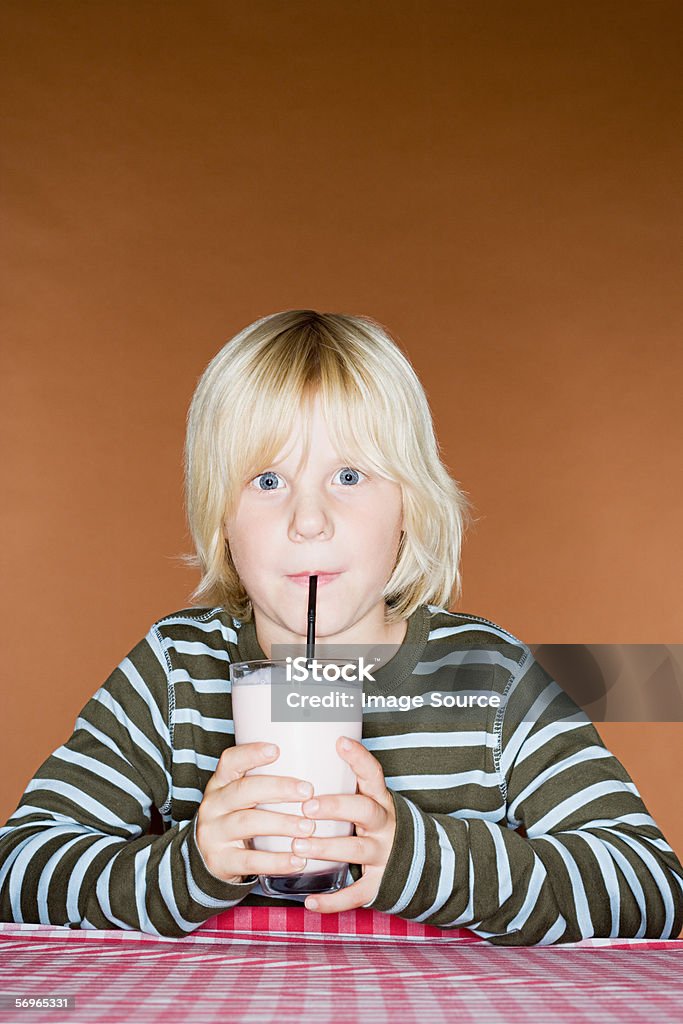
497, 183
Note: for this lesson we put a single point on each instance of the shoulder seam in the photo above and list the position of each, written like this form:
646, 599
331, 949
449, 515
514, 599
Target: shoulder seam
499, 721
171, 713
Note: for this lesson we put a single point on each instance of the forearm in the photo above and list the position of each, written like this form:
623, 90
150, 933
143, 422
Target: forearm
470, 872
67, 875
456, 872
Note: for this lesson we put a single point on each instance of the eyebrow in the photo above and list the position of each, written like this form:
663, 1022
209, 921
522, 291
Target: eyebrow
337, 463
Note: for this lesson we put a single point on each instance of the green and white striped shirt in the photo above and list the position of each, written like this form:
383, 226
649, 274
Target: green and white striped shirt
514, 821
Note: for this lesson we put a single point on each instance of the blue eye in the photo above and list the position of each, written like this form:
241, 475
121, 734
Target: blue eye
267, 481
349, 476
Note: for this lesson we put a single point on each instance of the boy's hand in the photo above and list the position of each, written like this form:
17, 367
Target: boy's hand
228, 818
371, 810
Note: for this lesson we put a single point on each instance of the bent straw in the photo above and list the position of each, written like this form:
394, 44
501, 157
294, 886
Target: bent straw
310, 638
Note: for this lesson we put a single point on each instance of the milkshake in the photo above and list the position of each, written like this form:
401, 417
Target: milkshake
307, 751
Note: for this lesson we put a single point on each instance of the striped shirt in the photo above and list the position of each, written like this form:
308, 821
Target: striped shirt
512, 820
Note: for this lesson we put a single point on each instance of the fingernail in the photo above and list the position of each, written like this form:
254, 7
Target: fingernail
311, 904
305, 788
310, 807
305, 826
346, 743
269, 750
301, 845
298, 862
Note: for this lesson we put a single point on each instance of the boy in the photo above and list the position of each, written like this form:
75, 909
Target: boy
310, 450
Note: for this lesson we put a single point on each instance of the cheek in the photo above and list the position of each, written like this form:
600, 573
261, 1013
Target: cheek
249, 535
382, 526
391, 513
238, 540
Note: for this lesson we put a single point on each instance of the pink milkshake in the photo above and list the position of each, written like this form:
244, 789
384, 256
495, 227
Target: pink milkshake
307, 751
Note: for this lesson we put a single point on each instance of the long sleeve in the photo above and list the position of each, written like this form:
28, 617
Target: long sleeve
76, 852
592, 863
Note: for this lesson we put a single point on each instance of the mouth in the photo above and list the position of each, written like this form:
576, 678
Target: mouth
302, 578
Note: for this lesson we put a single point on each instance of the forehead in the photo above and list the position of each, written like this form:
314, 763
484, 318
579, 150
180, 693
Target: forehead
280, 424
311, 435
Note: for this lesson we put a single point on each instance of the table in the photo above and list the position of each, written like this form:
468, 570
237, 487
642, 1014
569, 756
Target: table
290, 964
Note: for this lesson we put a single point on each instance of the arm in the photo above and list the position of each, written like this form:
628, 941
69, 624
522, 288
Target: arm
593, 862
75, 852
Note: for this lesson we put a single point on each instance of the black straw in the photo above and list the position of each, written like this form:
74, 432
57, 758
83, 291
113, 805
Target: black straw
310, 638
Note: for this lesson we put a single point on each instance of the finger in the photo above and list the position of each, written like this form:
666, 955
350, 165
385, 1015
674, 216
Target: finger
244, 824
356, 895
346, 849
251, 790
362, 811
367, 768
238, 759
247, 862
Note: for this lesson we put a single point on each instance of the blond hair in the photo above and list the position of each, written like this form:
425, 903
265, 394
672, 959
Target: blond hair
241, 416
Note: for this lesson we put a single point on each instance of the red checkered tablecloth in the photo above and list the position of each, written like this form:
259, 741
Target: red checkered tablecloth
289, 964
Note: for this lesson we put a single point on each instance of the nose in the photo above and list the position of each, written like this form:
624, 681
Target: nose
311, 518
